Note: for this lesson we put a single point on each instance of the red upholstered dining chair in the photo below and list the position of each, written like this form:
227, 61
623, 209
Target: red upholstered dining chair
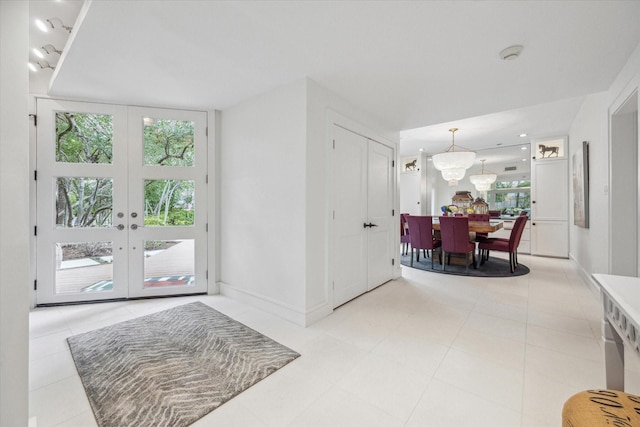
480, 218
454, 232
421, 235
509, 245
404, 232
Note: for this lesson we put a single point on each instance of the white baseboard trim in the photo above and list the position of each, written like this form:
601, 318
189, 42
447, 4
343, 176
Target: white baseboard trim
586, 277
285, 311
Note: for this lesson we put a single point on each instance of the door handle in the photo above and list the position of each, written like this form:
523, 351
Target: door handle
134, 226
369, 225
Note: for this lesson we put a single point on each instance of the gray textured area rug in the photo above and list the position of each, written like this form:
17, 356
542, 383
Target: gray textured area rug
173, 367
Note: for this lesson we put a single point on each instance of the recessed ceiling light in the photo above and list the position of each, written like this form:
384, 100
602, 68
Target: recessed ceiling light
42, 26
421, 149
37, 53
524, 160
511, 53
523, 135
524, 147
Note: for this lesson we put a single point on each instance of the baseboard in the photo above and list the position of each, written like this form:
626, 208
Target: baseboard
586, 277
285, 311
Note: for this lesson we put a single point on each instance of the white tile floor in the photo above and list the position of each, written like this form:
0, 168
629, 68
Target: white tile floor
424, 350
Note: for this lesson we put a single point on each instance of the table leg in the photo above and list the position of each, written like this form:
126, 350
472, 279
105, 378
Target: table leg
613, 357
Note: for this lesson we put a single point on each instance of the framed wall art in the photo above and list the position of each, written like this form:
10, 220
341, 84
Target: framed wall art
410, 164
580, 177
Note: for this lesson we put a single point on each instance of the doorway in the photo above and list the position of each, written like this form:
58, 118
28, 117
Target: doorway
121, 202
623, 232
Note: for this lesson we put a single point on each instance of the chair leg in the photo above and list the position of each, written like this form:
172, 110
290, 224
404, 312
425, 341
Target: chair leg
432, 254
411, 264
466, 262
444, 260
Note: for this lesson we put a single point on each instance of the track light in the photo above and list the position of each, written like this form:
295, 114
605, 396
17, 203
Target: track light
45, 64
59, 22
49, 49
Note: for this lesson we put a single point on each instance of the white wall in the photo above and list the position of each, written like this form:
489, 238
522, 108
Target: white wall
590, 247
262, 200
14, 213
273, 199
590, 125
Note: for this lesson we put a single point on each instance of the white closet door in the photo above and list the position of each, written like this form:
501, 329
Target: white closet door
350, 208
364, 224
380, 214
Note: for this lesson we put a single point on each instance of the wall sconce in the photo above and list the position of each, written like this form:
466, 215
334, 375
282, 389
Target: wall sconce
49, 49
59, 23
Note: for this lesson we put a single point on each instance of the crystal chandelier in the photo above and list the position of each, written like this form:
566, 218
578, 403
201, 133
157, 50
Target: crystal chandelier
484, 180
453, 164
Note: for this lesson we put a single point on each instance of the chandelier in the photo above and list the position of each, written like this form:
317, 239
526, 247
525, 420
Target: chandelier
484, 180
453, 164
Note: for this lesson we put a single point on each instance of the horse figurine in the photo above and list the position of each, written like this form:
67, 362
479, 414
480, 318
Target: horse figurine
545, 149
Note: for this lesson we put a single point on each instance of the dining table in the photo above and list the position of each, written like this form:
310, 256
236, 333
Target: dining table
477, 226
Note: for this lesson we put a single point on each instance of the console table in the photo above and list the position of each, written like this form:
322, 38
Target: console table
620, 323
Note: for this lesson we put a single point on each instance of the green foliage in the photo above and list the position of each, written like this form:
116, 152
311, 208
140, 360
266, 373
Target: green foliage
169, 143
174, 217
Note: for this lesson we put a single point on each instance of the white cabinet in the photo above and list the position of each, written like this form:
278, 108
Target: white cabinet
550, 202
505, 232
549, 238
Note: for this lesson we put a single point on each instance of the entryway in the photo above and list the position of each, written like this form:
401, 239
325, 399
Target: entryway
121, 202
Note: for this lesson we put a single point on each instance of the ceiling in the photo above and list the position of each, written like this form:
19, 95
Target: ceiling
410, 64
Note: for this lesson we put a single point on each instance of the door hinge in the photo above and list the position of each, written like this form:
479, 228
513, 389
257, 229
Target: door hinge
333, 285
206, 274
35, 230
334, 214
206, 227
393, 212
206, 131
393, 261
35, 175
206, 179
334, 144
393, 163
35, 285
35, 119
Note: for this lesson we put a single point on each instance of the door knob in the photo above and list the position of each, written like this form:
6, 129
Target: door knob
120, 227
134, 214
134, 226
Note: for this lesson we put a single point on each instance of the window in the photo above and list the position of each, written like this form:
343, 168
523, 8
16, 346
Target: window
511, 197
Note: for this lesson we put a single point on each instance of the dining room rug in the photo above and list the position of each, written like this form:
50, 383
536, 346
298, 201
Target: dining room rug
173, 367
493, 267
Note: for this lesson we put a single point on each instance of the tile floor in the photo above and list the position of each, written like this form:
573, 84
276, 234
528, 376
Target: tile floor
424, 350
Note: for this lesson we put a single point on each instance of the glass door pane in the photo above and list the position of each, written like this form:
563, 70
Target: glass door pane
81, 200
168, 190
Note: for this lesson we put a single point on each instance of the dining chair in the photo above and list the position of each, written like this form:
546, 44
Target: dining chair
480, 218
421, 236
454, 232
509, 245
404, 233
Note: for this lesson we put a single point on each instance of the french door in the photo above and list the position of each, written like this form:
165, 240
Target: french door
121, 202
363, 220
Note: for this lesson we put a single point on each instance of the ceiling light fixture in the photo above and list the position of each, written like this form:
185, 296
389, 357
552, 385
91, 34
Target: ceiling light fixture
524, 147
523, 135
484, 180
45, 64
49, 49
511, 53
59, 23
41, 26
37, 53
453, 164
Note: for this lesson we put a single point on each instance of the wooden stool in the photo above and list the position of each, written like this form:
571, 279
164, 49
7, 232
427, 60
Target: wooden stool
601, 408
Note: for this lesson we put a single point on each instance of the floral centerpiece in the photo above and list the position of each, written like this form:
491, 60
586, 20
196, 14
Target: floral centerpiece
447, 209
